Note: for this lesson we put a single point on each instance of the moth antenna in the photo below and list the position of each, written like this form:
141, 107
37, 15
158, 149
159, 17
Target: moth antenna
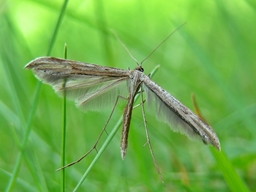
119, 40
161, 43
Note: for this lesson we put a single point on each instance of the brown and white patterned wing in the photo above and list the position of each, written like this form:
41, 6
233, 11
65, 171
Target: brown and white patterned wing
176, 115
92, 87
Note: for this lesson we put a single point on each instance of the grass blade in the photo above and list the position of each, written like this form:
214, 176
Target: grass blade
34, 106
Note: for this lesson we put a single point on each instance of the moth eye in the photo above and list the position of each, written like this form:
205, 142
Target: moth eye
140, 69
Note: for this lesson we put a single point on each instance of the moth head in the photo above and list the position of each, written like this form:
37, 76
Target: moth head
139, 68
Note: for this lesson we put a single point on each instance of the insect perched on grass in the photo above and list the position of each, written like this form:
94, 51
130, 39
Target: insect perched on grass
93, 86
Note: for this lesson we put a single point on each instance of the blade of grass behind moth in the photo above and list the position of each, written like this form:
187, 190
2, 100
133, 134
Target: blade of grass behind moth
196, 108
234, 182
31, 115
64, 130
107, 141
231, 177
26, 127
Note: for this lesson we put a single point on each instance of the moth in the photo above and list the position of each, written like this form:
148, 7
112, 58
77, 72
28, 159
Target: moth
93, 87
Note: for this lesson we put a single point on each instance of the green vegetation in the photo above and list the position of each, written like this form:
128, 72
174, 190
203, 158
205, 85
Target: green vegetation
212, 56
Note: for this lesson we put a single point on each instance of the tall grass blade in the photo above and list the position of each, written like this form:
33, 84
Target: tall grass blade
34, 106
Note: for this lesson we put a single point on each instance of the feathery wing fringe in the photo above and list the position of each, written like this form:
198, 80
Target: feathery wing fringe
165, 114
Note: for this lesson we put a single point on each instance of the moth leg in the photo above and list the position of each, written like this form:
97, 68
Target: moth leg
97, 141
139, 104
140, 91
148, 139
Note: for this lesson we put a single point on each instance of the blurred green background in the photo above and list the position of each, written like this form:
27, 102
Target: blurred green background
212, 56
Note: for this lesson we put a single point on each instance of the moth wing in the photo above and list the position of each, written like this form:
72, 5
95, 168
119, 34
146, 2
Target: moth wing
176, 115
91, 88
